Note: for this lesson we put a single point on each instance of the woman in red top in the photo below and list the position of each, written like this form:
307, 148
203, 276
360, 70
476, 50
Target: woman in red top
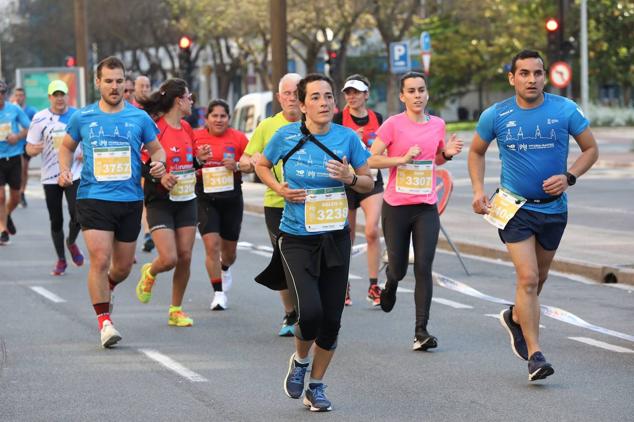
365, 123
171, 201
220, 203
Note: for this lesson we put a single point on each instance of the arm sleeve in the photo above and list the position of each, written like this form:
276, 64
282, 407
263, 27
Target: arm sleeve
149, 128
577, 122
73, 128
273, 151
486, 125
34, 135
256, 144
385, 132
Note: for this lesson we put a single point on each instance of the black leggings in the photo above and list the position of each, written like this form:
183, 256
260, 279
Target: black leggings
316, 269
422, 222
54, 195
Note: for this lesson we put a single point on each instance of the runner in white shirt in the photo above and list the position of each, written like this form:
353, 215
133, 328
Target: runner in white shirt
45, 135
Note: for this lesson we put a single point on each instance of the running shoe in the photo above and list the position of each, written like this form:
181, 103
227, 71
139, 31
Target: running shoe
109, 335
219, 302
146, 282
23, 202
75, 254
518, 344
148, 243
60, 267
316, 399
180, 319
4, 238
538, 368
374, 295
388, 296
424, 341
10, 226
348, 301
227, 280
288, 325
294, 380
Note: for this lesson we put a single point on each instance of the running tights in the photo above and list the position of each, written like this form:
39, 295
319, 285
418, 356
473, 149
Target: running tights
421, 221
54, 196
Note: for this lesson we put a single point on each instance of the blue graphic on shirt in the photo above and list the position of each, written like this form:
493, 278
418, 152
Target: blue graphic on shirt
12, 120
94, 129
533, 144
306, 169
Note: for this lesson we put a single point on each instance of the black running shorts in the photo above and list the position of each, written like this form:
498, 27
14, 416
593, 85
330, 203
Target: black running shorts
166, 214
11, 172
122, 218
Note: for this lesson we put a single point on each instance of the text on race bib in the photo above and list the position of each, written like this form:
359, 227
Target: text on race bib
504, 205
185, 188
217, 179
415, 178
325, 209
112, 163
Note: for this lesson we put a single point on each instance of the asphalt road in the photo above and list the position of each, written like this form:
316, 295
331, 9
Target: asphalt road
231, 364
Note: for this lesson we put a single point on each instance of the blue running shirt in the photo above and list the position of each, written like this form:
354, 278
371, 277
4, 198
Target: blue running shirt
533, 144
12, 117
306, 169
128, 128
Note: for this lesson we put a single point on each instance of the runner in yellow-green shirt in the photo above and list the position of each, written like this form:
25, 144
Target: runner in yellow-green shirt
273, 203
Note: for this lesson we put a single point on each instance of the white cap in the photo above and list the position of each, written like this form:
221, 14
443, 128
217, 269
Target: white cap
355, 84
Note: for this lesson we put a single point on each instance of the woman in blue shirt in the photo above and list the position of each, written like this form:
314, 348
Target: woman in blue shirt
314, 243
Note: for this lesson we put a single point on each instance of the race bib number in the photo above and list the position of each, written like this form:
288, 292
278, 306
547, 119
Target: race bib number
504, 205
415, 178
112, 163
217, 179
57, 138
5, 131
185, 188
325, 209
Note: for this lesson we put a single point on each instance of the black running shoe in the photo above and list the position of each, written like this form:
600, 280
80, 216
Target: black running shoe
388, 296
538, 368
518, 344
424, 341
148, 244
10, 226
4, 238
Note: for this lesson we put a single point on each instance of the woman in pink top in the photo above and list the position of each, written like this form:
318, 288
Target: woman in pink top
415, 145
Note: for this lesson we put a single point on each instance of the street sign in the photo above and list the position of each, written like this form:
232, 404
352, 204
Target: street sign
560, 74
399, 57
425, 42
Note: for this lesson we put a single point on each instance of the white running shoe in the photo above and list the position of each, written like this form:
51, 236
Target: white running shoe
227, 280
109, 335
219, 303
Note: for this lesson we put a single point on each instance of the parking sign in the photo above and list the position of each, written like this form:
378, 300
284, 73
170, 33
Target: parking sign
399, 57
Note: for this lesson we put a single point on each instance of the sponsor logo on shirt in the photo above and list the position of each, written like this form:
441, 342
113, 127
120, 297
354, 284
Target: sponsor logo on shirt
300, 173
511, 123
504, 113
552, 121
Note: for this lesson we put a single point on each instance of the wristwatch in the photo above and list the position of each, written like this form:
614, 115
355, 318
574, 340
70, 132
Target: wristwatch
571, 178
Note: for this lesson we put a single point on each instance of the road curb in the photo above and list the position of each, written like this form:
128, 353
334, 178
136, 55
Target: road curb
595, 272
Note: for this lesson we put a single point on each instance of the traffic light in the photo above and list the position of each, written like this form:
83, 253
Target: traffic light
185, 59
331, 56
553, 29
69, 61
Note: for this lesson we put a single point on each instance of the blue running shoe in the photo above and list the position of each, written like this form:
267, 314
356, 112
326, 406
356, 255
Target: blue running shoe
538, 368
316, 399
294, 381
518, 344
288, 325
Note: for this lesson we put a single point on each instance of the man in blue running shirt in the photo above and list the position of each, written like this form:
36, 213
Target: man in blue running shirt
109, 198
532, 130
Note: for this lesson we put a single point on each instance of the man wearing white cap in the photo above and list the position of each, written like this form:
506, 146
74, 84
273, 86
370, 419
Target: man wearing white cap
45, 136
12, 117
365, 123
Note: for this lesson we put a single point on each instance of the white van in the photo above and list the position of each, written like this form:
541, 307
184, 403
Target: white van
250, 110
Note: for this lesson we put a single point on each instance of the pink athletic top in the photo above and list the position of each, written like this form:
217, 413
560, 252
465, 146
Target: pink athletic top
399, 133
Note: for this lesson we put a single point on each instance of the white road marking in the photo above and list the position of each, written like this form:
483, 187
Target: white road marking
404, 290
262, 253
354, 277
447, 302
47, 294
172, 365
602, 345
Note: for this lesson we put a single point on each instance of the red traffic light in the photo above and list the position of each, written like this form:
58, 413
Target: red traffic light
552, 25
185, 42
70, 61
